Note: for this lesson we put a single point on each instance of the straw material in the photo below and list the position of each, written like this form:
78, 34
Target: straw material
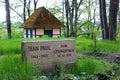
42, 18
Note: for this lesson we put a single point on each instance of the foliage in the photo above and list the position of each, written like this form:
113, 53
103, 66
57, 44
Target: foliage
90, 66
86, 26
2, 24
116, 69
12, 68
57, 11
3, 33
15, 24
17, 33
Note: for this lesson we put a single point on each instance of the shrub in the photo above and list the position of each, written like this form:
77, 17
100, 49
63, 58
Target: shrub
3, 33
17, 33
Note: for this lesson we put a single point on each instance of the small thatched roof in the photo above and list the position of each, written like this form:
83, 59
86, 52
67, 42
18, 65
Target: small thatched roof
42, 18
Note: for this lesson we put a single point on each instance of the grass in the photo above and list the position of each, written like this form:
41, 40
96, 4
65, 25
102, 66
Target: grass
87, 45
84, 45
13, 46
12, 68
90, 66
109, 46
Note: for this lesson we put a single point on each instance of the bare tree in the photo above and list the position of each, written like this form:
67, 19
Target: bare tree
35, 4
17, 13
8, 18
72, 16
28, 7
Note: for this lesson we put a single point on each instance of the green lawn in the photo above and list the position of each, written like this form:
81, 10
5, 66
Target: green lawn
13, 46
10, 49
86, 45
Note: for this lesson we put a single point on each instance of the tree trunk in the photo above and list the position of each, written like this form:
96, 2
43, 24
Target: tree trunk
8, 18
71, 14
24, 10
75, 20
67, 24
77, 5
103, 19
89, 12
28, 8
114, 5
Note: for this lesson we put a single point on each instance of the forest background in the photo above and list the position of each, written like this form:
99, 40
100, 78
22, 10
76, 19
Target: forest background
88, 18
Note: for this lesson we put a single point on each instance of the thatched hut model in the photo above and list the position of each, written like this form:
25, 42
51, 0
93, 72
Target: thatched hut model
40, 23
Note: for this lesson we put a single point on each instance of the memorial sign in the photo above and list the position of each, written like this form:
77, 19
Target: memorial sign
45, 53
